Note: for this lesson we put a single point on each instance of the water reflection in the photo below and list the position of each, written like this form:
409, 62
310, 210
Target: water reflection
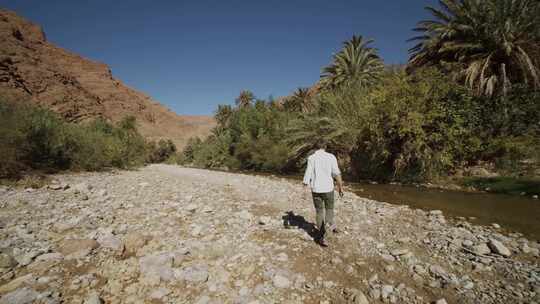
515, 213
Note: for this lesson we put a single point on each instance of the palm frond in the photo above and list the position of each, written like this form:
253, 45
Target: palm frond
502, 34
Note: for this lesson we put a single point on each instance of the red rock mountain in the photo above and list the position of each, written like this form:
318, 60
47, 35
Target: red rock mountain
34, 70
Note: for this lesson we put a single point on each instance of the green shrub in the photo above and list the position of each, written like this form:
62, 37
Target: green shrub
407, 127
160, 152
11, 139
34, 138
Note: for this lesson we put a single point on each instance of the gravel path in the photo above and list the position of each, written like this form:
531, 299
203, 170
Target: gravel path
167, 234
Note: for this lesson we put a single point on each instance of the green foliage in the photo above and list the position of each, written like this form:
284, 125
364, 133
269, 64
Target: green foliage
356, 64
11, 137
417, 127
508, 185
300, 101
406, 127
389, 124
160, 152
247, 137
213, 152
34, 138
245, 98
490, 44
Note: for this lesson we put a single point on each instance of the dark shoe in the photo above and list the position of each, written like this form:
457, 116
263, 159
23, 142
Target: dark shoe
322, 242
334, 229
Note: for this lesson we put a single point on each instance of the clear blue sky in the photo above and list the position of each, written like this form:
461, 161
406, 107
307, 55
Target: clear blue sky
193, 55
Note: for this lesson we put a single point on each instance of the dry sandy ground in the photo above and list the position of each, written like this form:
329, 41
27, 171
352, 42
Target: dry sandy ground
167, 234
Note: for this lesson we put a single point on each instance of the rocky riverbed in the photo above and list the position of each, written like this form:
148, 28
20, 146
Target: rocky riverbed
166, 234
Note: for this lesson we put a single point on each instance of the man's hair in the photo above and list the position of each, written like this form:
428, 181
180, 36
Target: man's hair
321, 144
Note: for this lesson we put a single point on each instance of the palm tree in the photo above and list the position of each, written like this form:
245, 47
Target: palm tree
488, 44
223, 115
300, 101
245, 98
355, 64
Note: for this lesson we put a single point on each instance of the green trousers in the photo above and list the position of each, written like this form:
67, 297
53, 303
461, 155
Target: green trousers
324, 207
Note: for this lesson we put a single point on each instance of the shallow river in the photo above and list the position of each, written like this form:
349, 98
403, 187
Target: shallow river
513, 213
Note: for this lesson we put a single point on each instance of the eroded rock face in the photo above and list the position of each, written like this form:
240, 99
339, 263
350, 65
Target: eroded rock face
34, 70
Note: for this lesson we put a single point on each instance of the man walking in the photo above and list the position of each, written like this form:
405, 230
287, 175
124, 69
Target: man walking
321, 170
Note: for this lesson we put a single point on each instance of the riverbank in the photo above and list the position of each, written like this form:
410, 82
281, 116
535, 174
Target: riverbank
167, 234
505, 185
522, 186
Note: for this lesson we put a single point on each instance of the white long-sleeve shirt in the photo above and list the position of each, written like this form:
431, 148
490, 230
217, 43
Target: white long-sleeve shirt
321, 169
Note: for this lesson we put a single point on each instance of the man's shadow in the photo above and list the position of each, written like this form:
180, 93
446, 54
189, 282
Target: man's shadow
292, 220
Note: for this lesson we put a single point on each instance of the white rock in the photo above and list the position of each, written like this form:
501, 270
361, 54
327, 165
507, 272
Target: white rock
93, 298
360, 298
264, 220
195, 274
244, 214
108, 240
159, 293
55, 256
7, 261
438, 272
498, 248
481, 249
27, 258
388, 257
441, 301
55, 186
419, 269
468, 285
386, 291
399, 252
435, 212
203, 300
467, 243
282, 257
524, 248
82, 188
191, 207
281, 281
20, 296
157, 266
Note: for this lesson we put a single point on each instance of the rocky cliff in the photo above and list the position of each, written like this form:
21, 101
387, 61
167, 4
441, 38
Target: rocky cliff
36, 71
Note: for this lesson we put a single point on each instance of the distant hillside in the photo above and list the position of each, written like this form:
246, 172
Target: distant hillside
36, 71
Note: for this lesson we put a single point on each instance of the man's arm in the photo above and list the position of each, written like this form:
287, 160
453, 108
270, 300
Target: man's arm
339, 183
308, 175
336, 173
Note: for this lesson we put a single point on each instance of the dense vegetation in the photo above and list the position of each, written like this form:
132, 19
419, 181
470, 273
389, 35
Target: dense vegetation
36, 139
468, 96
